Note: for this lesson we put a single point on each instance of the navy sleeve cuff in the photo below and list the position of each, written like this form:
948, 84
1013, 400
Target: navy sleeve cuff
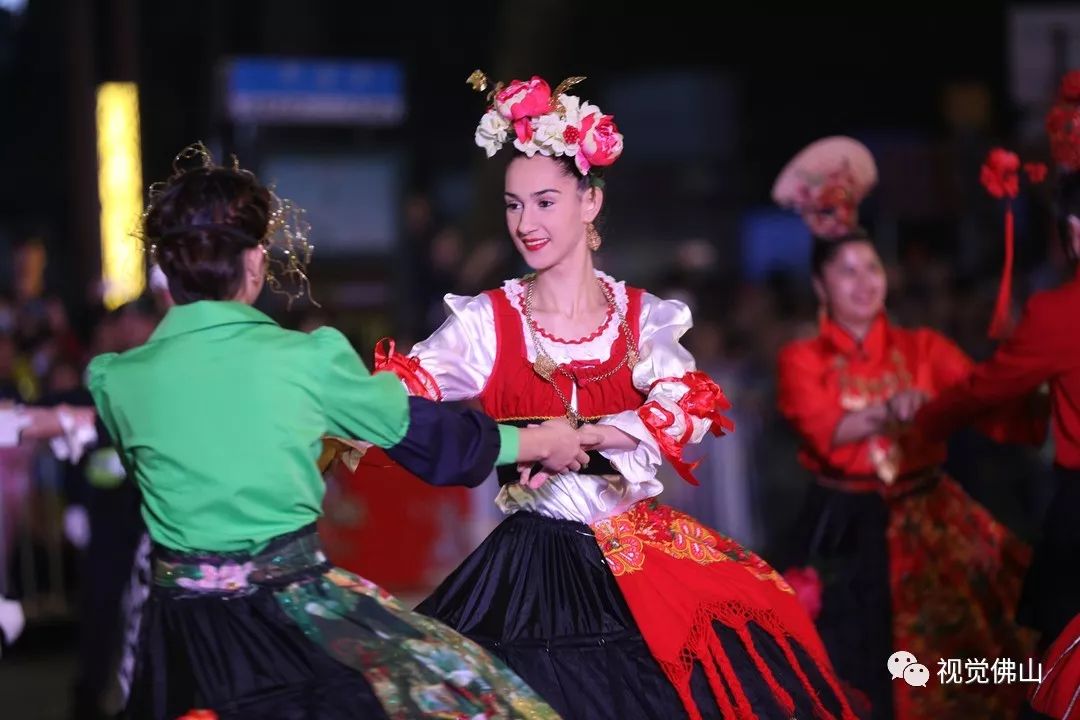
447, 446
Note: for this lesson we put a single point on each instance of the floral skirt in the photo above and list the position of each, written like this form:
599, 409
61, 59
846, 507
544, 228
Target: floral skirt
283, 634
605, 624
926, 570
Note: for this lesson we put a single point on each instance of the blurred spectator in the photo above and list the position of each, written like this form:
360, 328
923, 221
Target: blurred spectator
103, 521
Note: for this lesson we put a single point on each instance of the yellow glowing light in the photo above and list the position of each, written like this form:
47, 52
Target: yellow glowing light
120, 191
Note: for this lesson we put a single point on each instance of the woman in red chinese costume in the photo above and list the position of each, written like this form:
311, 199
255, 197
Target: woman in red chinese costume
606, 602
892, 555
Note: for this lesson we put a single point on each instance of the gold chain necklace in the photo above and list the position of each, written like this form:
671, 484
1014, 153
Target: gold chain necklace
546, 367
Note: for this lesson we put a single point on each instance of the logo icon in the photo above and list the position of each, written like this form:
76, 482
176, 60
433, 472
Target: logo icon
898, 661
916, 675
903, 664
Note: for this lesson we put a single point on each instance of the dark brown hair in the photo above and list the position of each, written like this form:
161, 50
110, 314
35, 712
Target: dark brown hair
825, 249
200, 224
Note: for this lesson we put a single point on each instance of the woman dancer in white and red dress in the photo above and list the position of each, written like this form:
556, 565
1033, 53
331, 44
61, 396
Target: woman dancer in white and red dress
606, 602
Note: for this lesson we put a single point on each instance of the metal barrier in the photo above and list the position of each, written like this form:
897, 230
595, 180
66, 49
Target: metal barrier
34, 565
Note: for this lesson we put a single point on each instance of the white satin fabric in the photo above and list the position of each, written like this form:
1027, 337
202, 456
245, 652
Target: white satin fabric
460, 355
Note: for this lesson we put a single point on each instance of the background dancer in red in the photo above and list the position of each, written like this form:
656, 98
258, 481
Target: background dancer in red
883, 525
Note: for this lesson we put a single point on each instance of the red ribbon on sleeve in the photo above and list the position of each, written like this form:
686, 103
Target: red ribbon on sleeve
704, 400
418, 381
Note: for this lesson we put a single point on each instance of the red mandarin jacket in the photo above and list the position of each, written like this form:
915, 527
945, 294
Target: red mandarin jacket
824, 378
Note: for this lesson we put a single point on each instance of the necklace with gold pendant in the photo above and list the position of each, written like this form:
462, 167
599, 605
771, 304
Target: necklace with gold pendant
546, 367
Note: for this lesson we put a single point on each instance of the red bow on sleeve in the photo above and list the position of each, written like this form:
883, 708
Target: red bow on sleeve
704, 399
419, 381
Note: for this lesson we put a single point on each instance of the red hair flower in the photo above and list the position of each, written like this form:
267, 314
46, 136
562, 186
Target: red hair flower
1000, 173
1070, 87
1036, 171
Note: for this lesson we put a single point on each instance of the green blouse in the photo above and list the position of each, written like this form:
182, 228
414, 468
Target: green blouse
220, 418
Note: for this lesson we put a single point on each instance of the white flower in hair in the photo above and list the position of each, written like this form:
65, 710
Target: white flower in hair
528, 147
491, 132
577, 110
549, 135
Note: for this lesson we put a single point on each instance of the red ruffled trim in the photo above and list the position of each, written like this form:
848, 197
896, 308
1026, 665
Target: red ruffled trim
580, 341
704, 399
419, 381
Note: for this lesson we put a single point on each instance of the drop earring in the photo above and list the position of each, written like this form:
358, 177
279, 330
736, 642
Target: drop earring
592, 237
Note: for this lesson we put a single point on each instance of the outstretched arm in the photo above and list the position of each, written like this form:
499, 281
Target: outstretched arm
441, 444
993, 394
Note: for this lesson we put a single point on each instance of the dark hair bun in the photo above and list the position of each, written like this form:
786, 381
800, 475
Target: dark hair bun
200, 224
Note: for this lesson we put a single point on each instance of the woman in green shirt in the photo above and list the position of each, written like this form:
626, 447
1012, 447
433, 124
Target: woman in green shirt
220, 419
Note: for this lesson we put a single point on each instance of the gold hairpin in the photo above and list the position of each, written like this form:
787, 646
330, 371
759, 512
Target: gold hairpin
479, 82
560, 90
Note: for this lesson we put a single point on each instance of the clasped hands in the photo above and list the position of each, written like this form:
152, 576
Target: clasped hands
567, 451
900, 410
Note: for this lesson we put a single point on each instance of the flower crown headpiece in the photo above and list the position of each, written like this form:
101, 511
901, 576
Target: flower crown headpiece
1063, 124
550, 123
287, 240
825, 183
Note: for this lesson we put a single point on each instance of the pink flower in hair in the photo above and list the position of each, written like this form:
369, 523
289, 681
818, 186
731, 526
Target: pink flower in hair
600, 144
521, 102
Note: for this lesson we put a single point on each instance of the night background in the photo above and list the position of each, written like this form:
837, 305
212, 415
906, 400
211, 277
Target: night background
405, 208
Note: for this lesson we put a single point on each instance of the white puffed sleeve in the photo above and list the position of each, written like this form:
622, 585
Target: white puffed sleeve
681, 404
460, 355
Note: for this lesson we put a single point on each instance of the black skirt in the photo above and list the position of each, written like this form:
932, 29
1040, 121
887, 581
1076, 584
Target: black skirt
1051, 596
843, 535
538, 594
285, 636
